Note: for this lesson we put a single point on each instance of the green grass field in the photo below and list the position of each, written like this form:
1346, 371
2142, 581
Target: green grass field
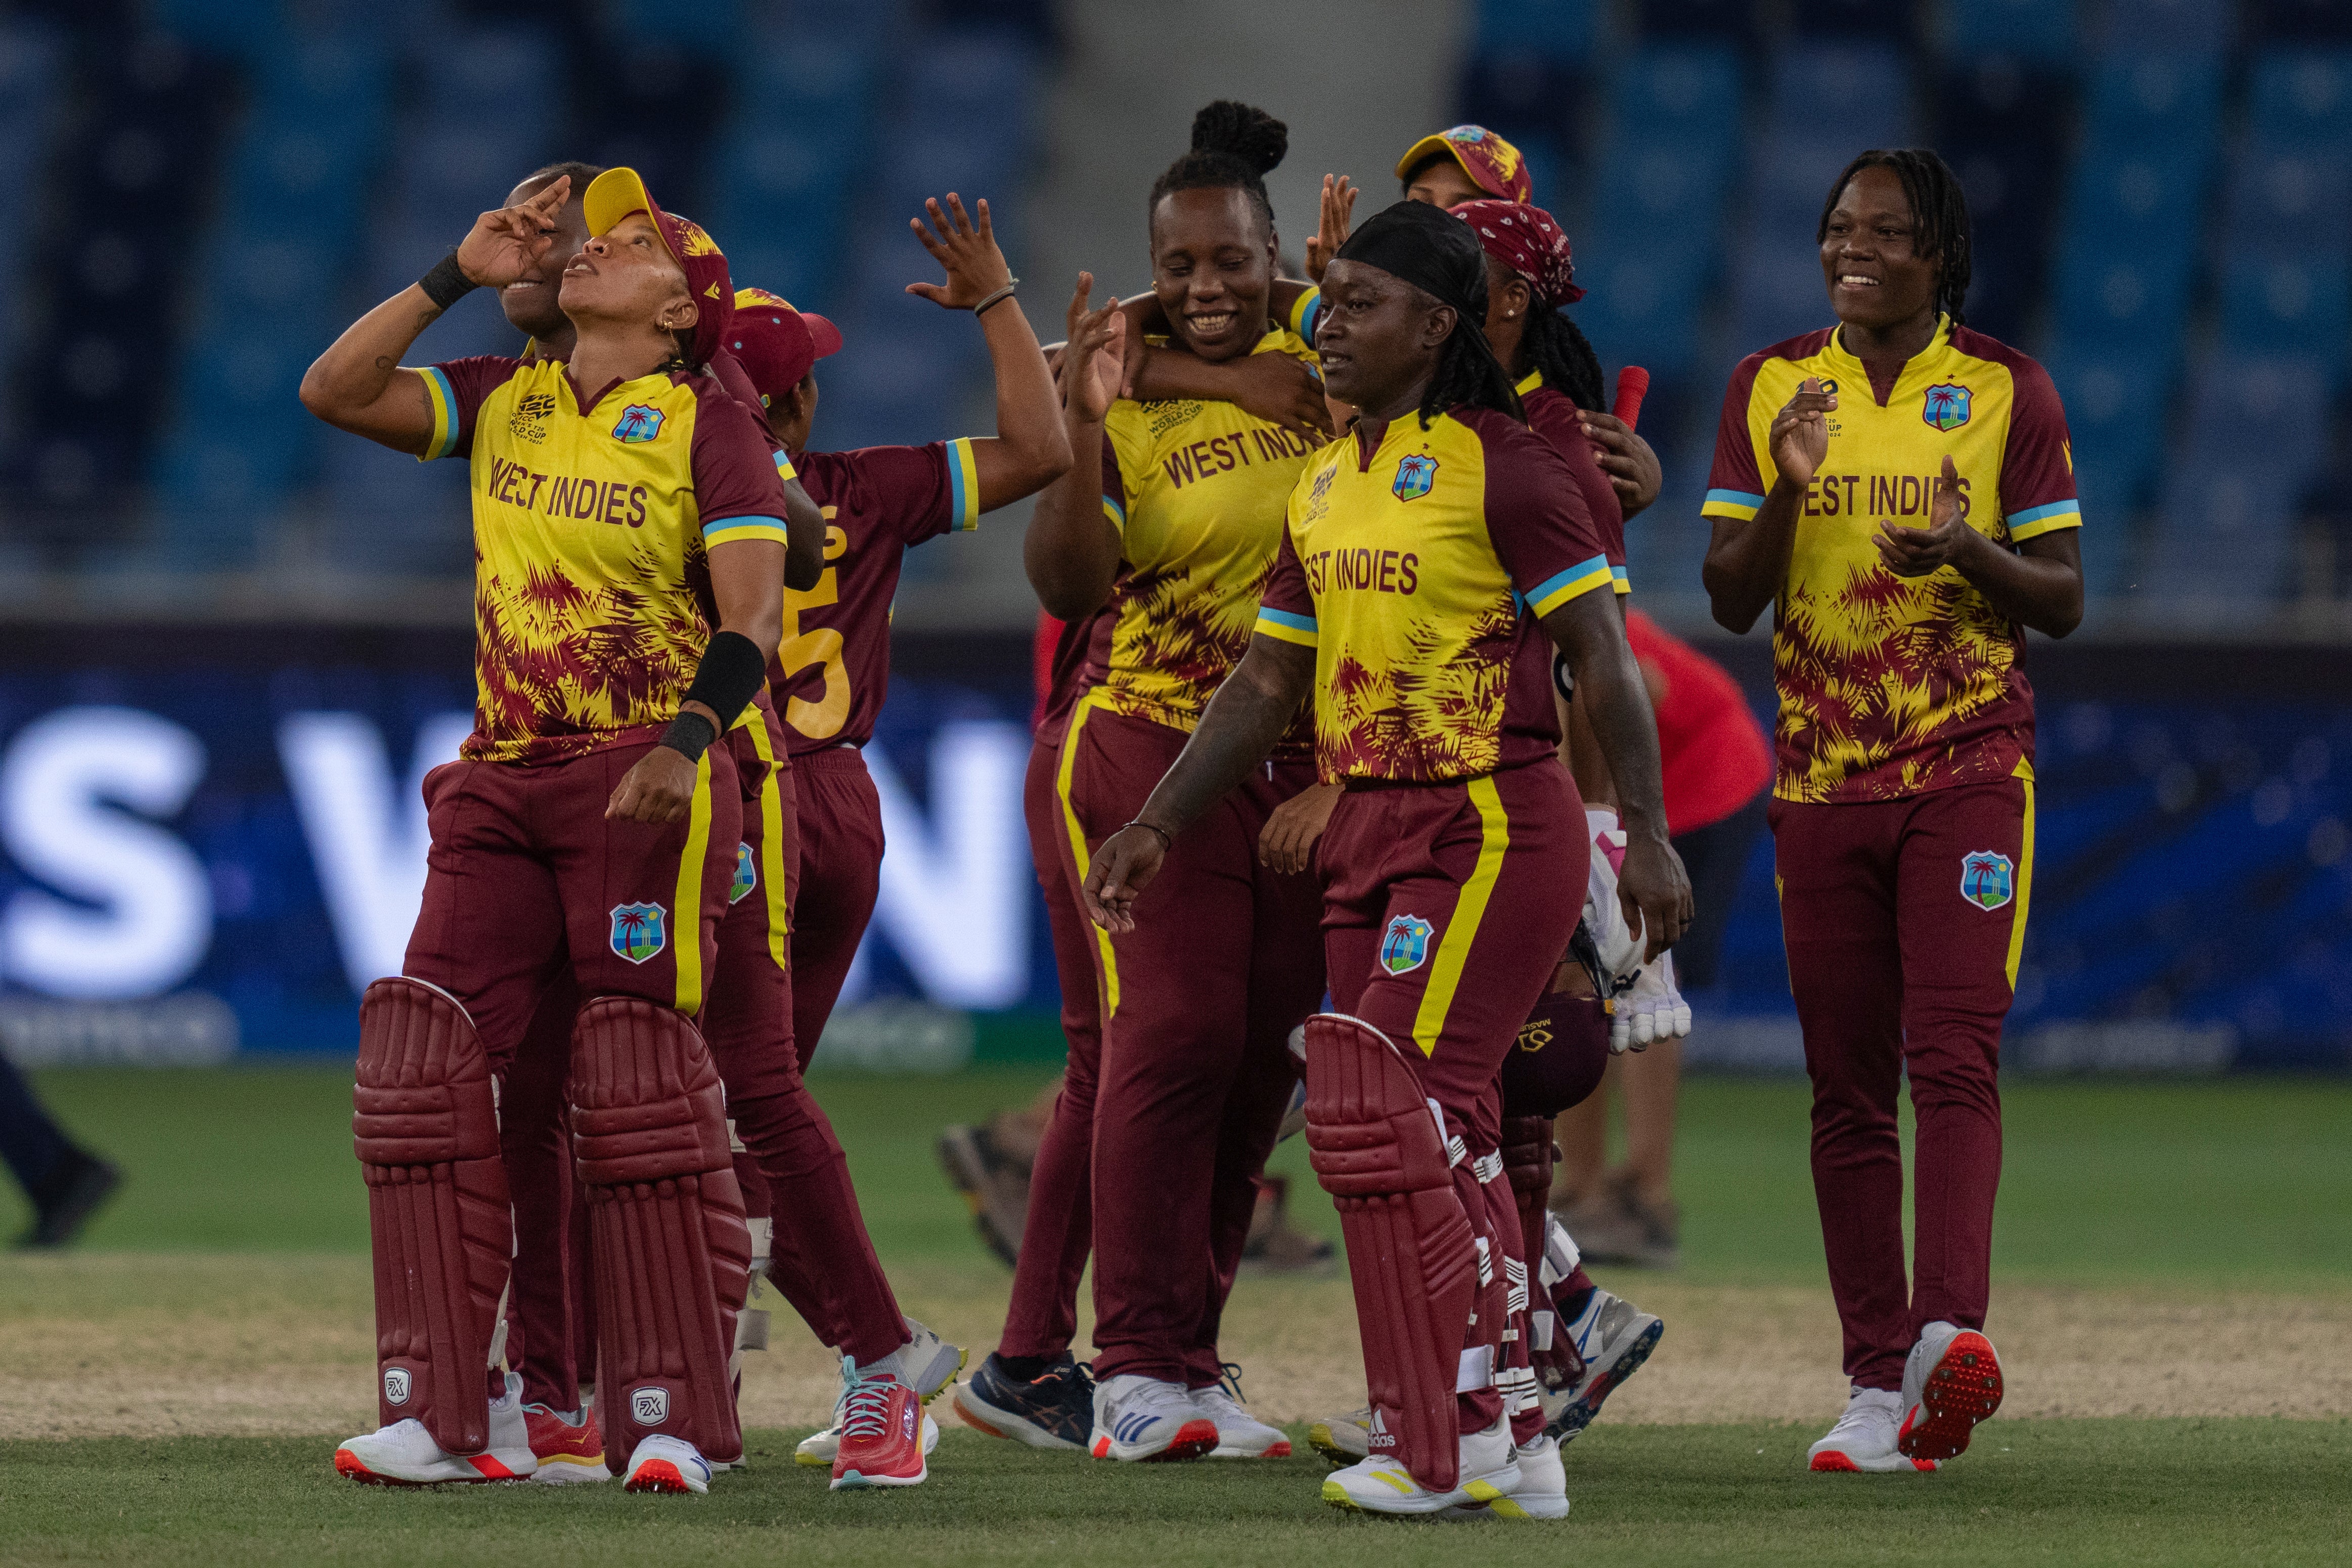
2142, 1191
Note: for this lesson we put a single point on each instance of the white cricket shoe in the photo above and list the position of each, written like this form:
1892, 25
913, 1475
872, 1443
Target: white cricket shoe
1613, 1337
1863, 1437
1240, 1435
1951, 1381
926, 1363
1489, 1472
404, 1454
666, 1464
1342, 1439
1142, 1418
1542, 1491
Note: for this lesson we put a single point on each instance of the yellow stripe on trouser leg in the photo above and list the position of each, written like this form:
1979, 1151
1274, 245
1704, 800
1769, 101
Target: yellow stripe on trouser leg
1469, 909
1079, 846
771, 850
687, 938
2024, 776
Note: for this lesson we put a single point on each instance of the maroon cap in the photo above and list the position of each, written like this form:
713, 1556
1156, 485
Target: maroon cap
776, 344
614, 196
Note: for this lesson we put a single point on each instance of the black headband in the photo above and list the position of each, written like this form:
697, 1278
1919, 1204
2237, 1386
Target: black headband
1428, 247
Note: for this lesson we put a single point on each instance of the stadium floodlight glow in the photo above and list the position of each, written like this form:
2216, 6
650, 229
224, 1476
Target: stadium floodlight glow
139, 917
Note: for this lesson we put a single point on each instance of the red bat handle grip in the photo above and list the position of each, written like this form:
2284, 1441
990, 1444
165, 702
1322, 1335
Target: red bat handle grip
1633, 382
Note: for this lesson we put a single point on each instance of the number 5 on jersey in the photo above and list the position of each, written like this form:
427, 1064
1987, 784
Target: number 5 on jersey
818, 647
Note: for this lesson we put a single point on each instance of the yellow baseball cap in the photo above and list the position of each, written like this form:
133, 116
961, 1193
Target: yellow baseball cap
1494, 165
617, 192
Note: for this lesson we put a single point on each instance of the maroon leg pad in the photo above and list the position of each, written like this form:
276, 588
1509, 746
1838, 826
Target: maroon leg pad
1378, 1151
1528, 1156
425, 1125
671, 1253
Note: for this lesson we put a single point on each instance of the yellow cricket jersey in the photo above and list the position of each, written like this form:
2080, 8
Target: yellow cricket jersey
1889, 685
591, 583
1197, 492
1417, 564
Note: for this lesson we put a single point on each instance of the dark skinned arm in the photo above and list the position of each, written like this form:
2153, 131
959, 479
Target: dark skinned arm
1071, 551
1748, 561
747, 578
804, 526
1651, 888
2038, 584
1236, 733
1276, 388
1029, 449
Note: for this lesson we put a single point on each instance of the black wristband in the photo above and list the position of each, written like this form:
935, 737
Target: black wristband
689, 734
731, 672
446, 283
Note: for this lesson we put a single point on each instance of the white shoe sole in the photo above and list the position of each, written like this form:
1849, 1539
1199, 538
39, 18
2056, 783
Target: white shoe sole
1273, 1446
477, 1469
1478, 1492
856, 1480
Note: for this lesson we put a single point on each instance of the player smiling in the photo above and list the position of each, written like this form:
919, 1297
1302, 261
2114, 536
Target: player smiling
1428, 557
1180, 503
1901, 489
630, 545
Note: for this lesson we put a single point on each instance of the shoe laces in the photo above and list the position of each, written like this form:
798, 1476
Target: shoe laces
865, 1408
1228, 1378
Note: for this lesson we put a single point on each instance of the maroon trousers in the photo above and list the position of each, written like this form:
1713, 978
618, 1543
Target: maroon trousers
1199, 1002
1057, 1231
841, 869
1904, 920
1444, 918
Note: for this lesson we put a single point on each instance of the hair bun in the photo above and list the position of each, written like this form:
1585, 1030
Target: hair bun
1241, 132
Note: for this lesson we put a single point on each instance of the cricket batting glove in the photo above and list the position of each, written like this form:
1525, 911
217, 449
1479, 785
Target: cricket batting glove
1653, 1010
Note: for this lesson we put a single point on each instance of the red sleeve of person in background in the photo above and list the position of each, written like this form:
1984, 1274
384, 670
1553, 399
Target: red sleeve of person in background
1041, 656
1713, 757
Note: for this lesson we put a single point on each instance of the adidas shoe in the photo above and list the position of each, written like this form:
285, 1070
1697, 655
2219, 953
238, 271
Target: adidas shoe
666, 1464
1863, 1437
1951, 1382
404, 1454
567, 1445
1054, 1411
1240, 1435
1142, 1418
926, 1363
1541, 1491
1613, 1338
1489, 1473
1342, 1439
882, 1432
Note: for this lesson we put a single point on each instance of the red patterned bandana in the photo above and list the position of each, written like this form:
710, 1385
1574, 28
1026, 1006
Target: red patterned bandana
1530, 243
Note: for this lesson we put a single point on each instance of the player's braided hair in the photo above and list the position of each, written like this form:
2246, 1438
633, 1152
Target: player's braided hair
1234, 148
1939, 215
1556, 346
1467, 370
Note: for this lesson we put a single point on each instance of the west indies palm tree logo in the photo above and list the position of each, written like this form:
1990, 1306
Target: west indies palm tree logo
1947, 407
639, 931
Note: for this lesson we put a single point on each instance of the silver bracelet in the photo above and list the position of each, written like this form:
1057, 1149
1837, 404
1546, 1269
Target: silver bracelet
996, 298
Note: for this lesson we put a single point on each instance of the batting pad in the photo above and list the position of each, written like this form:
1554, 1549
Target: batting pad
671, 1253
425, 1123
1412, 1254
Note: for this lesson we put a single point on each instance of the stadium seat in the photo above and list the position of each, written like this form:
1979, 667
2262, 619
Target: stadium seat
1555, 30
2199, 27
2117, 415
2226, 529
2287, 305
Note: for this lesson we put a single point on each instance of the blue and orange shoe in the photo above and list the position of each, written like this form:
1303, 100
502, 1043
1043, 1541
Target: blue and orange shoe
1056, 1410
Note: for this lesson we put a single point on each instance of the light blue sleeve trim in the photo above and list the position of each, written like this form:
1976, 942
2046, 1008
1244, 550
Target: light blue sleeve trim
1744, 498
963, 487
1560, 587
445, 421
1289, 618
2054, 509
716, 529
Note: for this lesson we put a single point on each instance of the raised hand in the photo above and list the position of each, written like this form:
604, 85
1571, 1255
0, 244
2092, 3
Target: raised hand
975, 267
1945, 542
1800, 439
1338, 206
504, 244
1282, 391
1092, 364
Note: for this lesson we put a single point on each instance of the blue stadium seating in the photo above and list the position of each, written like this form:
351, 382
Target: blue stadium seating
2255, 436
270, 293
2043, 31
788, 162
